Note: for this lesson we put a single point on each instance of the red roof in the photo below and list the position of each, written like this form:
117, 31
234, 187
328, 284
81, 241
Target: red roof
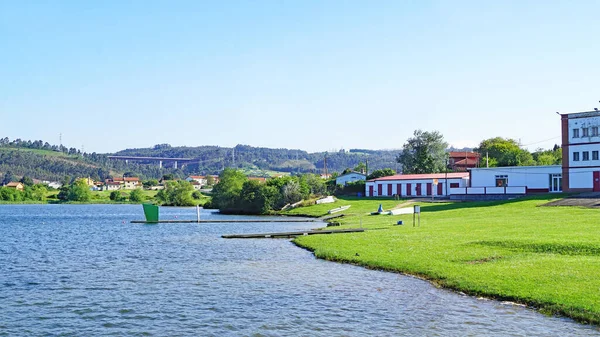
454, 154
452, 175
468, 161
126, 179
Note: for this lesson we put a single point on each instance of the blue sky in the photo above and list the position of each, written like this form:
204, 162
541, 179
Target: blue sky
311, 75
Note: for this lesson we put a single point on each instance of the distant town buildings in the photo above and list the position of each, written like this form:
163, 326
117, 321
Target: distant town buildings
122, 183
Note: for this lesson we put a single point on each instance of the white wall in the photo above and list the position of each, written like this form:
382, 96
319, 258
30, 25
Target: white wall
533, 177
350, 177
413, 187
581, 178
579, 123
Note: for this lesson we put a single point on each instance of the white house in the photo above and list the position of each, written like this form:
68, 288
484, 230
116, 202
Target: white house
199, 179
580, 146
112, 186
349, 177
416, 185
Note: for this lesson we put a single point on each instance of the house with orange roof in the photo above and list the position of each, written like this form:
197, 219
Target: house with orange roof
16, 185
463, 160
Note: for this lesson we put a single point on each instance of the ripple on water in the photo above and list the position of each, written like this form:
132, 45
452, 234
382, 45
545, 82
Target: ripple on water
84, 272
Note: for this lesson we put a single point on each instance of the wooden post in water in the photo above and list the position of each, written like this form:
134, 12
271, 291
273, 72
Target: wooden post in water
198, 212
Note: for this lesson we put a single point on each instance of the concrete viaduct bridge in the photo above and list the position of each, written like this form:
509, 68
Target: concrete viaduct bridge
160, 160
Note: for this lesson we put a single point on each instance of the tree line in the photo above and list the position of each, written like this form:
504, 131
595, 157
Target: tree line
236, 193
426, 152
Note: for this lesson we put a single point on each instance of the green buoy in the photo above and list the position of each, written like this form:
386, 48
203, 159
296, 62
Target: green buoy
151, 212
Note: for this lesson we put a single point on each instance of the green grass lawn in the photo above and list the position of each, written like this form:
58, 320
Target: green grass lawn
546, 257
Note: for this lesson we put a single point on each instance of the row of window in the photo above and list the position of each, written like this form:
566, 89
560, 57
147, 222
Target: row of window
585, 132
585, 155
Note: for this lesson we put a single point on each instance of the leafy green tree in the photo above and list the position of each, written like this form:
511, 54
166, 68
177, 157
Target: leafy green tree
291, 192
176, 193
11, 194
169, 176
38, 192
346, 171
316, 185
361, 167
117, 196
150, 183
79, 191
381, 173
210, 180
503, 152
257, 198
423, 153
136, 195
226, 192
8, 177
27, 181
548, 157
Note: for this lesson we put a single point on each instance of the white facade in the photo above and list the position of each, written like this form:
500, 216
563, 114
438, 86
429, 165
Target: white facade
515, 180
349, 177
581, 151
416, 185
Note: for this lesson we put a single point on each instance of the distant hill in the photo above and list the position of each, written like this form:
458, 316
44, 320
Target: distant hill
212, 159
40, 160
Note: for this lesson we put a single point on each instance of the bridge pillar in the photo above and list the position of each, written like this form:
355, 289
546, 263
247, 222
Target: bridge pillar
175, 165
160, 163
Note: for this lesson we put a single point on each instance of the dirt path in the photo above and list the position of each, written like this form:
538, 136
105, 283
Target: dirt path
591, 200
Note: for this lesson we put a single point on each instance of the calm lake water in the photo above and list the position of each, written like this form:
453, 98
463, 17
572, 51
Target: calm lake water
83, 270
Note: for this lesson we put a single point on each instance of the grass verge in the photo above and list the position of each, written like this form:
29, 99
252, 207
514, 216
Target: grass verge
545, 257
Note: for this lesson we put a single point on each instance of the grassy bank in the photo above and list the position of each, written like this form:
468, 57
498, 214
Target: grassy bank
545, 257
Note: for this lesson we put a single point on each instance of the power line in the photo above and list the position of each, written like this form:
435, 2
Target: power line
541, 141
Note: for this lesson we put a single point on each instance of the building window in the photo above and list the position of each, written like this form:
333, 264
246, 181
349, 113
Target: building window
502, 181
575, 156
575, 133
454, 185
594, 131
586, 155
585, 132
594, 155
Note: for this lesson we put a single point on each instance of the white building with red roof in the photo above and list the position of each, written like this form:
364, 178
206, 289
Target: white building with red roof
416, 185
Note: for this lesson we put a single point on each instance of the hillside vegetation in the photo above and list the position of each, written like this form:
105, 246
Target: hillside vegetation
43, 161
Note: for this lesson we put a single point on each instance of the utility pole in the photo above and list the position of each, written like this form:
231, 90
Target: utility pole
325, 166
367, 167
233, 157
446, 176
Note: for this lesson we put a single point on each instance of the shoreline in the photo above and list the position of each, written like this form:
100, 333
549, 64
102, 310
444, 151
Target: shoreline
437, 283
498, 284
